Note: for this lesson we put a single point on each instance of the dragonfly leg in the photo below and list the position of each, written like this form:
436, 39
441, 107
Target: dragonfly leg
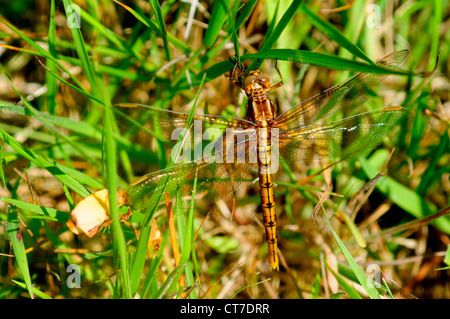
258, 64
233, 73
276, 86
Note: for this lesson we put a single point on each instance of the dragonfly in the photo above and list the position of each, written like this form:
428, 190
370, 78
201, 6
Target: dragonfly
239, 149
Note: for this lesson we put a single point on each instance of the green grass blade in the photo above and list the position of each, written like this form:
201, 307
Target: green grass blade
347, 287
52, 71
173, 277
362, 278
82, 51
141, 250
152, 24
321, 59
77, 89
2, 172
119, 243
270, 41
122, 45
437, 22
80, 127
284, 21
43, 53
218, 17
401, 195
189, 233
232, 30
52, 213
300, 56
16, 239
430, 174
36, 291
274, 17
353, 230
40, 161
245, 13
50, 81
57, 134
248, 286
162, 26
151, 275
146, 21
386, 287
335, 34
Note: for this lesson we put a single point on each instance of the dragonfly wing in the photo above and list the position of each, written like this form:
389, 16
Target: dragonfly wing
167, 125
334, 99
216, 175
342, 138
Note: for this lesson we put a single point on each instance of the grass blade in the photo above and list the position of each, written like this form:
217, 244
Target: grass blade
53, 214
82, 51
321, 59
43, 53
173, 277
50, 81
282, 24
300, 56
120, 246
53, 167
80, 127
335, 34
348, 288
152, 24
218, 17
16, 239
285, 19
362, 278
57, 134
430, 174
401, 195
140, 256
36, 291
162, 26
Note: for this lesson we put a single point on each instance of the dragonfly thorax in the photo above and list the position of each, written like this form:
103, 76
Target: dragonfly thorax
256, 83
260, 109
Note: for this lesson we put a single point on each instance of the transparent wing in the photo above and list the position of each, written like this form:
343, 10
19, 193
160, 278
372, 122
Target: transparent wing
336, 98
342, 138
218, 174
166, 125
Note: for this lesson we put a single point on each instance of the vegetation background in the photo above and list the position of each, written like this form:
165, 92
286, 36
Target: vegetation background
56, 88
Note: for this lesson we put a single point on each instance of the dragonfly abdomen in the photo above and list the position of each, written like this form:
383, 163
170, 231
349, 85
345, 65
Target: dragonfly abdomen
267, 195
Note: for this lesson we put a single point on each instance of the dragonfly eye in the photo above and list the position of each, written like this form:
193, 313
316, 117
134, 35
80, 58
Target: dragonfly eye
263, 78
249, 80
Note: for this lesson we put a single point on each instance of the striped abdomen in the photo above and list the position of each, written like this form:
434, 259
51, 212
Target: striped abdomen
267, 195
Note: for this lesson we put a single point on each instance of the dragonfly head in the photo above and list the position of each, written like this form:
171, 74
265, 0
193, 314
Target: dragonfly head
256, 79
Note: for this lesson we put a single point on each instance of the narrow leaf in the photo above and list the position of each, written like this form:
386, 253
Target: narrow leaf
362, 278
15, 236
218, 17
335, 34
